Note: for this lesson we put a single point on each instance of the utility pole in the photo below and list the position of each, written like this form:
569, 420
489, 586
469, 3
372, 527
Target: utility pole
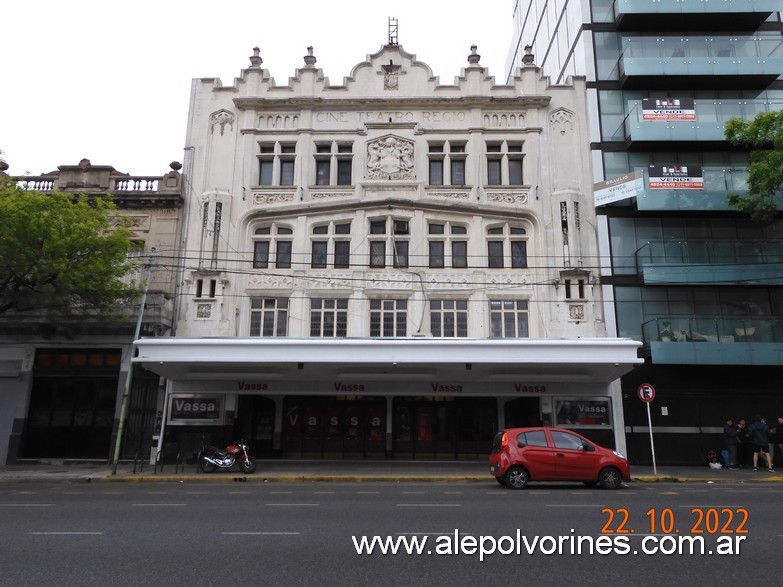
129, 375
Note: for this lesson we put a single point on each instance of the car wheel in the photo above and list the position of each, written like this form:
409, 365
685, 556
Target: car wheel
516, 478
500, 481
610, 478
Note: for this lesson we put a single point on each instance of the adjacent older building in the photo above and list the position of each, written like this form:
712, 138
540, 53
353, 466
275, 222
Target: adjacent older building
390, 266
62, 380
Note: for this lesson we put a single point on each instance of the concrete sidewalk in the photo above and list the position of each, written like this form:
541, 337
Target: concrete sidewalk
340, 471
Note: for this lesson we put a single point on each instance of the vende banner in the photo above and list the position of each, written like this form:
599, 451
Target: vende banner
667, 109
618, 188
675, 177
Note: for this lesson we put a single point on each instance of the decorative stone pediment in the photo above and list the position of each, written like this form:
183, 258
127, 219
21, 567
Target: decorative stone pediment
390, 157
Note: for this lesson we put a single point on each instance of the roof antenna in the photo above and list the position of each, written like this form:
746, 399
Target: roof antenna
392, 30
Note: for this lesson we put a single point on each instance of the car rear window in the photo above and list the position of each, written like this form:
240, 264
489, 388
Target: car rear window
534, 438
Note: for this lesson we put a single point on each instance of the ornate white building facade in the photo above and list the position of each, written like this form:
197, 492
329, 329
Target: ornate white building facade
391, 266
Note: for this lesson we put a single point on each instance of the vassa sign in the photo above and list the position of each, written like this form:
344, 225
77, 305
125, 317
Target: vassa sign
646, 392
189, 409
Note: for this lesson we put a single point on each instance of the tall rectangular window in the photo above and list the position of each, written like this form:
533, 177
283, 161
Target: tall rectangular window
436, 171
261, 254
400, 253
459, 254
322, 172
377, 254
329, 317
508, 318
287, 172
388, 318
494, 175
449, 318
318, 260
495, 254
342, 254
519, 254
283, 255
344, 172
437, 260
265, 173
268, 316
457, 172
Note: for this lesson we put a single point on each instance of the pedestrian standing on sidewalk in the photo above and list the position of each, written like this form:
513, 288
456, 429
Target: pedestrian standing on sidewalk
730, 443
743, 444
758, 434
779, 438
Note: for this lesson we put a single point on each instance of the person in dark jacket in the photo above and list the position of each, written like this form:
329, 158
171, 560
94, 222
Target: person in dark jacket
744, 447
758, 434
730, 443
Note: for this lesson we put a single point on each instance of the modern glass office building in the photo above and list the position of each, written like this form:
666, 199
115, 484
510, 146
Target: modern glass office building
698, 283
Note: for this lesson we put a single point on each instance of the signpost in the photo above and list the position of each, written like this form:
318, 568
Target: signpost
646, 393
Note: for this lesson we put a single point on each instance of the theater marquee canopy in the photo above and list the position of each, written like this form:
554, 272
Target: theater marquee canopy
598, 360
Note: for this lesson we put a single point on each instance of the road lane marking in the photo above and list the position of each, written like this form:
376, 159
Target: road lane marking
429, 505
260, 533
66, 533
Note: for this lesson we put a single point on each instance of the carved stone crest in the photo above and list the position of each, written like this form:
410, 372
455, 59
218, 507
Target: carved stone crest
221, 118
390, 157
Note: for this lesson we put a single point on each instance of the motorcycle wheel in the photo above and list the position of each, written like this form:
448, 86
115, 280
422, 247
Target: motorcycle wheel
247, 467
206, 466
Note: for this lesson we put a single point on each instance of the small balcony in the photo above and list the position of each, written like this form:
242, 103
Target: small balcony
714, 61
714, 340
720, 262
705, 122
658, 14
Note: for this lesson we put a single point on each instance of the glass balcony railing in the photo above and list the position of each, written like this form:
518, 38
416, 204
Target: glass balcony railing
719, 182
701, 261
694, 6
707, 120
714, 328
702, 55
715, 340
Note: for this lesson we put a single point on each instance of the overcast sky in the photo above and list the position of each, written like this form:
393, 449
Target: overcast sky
110, 81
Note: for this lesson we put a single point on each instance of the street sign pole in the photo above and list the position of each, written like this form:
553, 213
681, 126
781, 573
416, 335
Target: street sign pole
652, 444
646, 393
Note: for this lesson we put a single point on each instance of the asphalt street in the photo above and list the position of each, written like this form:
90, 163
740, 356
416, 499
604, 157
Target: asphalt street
308, 533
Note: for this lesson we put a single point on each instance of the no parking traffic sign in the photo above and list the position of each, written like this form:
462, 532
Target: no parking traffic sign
646, 392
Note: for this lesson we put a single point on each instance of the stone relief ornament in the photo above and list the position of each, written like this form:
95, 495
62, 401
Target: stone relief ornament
390, 157
562, 120
391, 76
576, 312
221, 118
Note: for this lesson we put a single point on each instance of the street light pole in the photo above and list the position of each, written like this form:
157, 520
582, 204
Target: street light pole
129, 375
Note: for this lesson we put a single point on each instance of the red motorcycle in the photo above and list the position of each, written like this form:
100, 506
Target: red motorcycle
213, 458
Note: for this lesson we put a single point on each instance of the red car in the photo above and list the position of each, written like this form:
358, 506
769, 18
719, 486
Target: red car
520, 455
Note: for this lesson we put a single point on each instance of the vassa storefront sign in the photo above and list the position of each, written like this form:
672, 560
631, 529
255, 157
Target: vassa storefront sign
196, 409
582, 412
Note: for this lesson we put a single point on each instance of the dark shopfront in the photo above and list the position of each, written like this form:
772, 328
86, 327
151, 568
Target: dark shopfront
428, 399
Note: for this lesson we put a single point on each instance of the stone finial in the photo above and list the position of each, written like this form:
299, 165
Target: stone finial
527, 58
310, 59
474, 57
255, 58
175, 165
84, 164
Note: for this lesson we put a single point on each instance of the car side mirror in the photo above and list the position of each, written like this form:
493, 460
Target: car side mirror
588, 447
